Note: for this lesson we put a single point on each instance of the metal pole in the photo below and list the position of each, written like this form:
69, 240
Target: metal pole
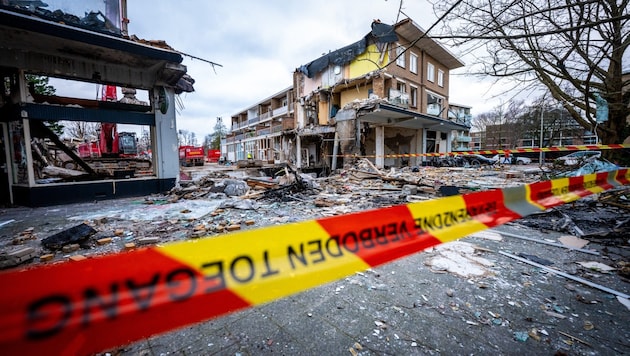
540, 158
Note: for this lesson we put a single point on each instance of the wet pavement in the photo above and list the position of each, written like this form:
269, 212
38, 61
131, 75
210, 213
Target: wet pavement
467, 297
407, 308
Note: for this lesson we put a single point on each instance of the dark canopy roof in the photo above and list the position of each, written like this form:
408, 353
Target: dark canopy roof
381, 33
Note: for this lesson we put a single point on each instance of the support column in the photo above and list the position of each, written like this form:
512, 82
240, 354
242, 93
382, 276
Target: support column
333, 164
420, 148
380, 146
298, 149
449, 141
166, 135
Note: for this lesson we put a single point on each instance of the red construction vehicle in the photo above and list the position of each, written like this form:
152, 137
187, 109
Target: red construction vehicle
111, 144
114, 153
191, 156
213, 156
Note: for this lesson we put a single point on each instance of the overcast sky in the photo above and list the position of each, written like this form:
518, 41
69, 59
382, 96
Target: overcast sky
259, 44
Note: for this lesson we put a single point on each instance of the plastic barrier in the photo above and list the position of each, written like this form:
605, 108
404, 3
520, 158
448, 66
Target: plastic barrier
98, 303
493, 152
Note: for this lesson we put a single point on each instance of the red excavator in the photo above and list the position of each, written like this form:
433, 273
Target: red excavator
114, 153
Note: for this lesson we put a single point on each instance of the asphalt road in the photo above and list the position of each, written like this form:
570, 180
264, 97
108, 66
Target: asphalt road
429, 303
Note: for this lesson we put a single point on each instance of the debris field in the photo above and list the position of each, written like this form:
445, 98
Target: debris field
556, 282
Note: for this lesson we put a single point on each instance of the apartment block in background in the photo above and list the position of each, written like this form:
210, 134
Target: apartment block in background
385, 95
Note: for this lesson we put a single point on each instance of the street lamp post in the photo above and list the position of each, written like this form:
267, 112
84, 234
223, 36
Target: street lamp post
542, 155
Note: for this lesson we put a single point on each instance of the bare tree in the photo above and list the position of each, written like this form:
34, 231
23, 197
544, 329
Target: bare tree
572, 49
182, 138
186, 138
503, 126
81, 130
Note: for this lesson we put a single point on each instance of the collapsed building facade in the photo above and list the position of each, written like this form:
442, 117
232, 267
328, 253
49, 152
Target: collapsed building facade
41, 39
384, 95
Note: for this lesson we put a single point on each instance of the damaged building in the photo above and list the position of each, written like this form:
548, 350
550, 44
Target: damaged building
72, 42
385, 97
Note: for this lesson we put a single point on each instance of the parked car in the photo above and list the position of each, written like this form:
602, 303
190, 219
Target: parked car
478, 160
511, 159
579, 157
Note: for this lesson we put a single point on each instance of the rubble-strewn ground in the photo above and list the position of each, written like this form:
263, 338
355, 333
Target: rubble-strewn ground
468, 297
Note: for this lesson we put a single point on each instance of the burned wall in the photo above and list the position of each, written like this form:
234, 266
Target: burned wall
397, 140
347, 131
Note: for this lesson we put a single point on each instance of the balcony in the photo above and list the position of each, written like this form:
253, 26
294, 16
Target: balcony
276, 128
464, 119
265, 131
252, 121
281, 110
463, 139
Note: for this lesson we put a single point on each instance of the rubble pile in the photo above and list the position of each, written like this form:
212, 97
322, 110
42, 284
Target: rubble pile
603, 217
218, 202
541, 282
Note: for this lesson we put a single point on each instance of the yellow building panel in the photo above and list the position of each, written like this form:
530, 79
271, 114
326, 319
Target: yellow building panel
323, 113
367, 62
360, 92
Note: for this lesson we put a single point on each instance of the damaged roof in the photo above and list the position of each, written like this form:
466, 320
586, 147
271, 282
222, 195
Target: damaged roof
383, 33
42, 46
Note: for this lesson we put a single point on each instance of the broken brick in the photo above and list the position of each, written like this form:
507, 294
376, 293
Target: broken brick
197, 234
47, 257
148, 240
70, 248
104, 241
77, 258
233, 227
28, 231
22, 238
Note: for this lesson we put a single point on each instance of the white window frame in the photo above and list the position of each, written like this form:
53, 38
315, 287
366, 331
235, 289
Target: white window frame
413, 63
400, 56
439, 104
401, 86
413, 96
430, 72
440, 78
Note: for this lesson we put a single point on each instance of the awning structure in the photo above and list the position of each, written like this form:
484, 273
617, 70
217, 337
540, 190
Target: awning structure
393, 116
41, 46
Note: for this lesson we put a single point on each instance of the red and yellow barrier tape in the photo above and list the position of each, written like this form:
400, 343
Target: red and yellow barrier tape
99, 303
493, 152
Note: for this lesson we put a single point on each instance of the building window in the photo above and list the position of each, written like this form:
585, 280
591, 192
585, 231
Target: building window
430, 72
440, 77
434, 104
413, 63
400, 56
413, 96
402, 88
